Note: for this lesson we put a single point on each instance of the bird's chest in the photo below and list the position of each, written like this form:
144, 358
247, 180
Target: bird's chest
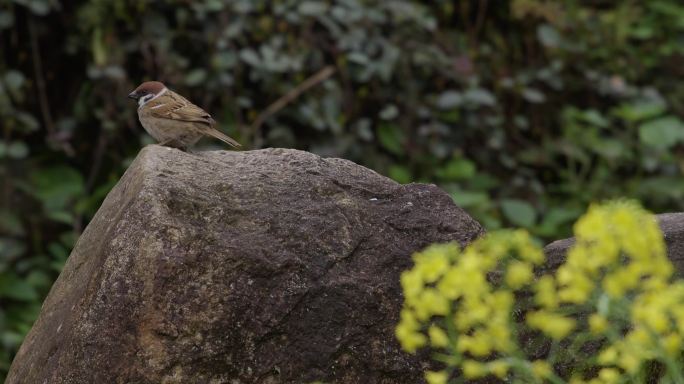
160, 129
168, 131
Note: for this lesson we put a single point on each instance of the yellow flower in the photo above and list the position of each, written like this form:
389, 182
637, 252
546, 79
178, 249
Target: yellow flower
519, 273
619, 254
409, 339
451, 285
438, 338
608, 356
411, 284
629, 361
546, 292
597, 324
439, 377
554, 325
576, 285
408, 332
501, 301
434, 261
478, 344
672, 344
498, 368
473, 311
430, 303
527, 250
627, 278
473, 369
541, 369
656, 320
639, 337
591, 225
499, 332
576, 380
609, 375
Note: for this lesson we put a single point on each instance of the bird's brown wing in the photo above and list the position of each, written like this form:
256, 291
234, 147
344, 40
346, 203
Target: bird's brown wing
173, 106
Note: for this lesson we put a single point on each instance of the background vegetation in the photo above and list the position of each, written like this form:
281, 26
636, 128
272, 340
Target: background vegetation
524, 110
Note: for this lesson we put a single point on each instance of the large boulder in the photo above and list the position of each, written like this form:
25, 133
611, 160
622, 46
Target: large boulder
269, 266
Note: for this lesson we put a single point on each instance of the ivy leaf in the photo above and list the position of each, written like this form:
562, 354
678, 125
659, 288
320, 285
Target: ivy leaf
533, 95
312, 8
196, 77
548, 36
662, 133
449, 99
518, 212
480, 96
12, 287
400, 174
389, 112
391, 137
457, 169
56, 186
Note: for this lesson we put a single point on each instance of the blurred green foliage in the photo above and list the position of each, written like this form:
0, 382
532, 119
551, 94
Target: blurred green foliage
524, 111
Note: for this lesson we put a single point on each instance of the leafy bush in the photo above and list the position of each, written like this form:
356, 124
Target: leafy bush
524, 111
484, 313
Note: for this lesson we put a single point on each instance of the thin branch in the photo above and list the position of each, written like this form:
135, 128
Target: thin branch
40, 81
42, 93
479, 21
290, 96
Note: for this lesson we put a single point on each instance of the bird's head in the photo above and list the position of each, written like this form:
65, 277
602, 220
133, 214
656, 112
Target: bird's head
147, 91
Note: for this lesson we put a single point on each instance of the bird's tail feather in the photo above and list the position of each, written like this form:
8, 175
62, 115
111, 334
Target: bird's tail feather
219, 135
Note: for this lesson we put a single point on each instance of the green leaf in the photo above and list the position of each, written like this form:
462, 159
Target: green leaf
14, 80
533, 95
6, 19
449, 99
389, 112
10, 223
518, 212
10, 249
17, 150
60, 216
391, 137
249, 56
457, 169
312, 8
640, 111
467, 199
11, 339
39, 279
548, 36
55, 187
480, 96
662, 133
38, 7
12, 287
594, 118
195, 77
400, 174
555, 218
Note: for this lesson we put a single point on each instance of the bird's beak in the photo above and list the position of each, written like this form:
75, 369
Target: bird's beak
133, 95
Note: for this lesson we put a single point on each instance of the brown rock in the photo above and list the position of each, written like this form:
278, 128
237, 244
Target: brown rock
269, 266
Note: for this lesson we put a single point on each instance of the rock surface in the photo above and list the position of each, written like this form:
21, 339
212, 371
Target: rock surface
672, 225
269, 266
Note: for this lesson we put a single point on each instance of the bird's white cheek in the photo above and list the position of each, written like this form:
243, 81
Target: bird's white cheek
144, 99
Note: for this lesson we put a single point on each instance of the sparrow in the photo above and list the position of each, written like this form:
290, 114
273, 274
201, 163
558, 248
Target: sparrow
173, 120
